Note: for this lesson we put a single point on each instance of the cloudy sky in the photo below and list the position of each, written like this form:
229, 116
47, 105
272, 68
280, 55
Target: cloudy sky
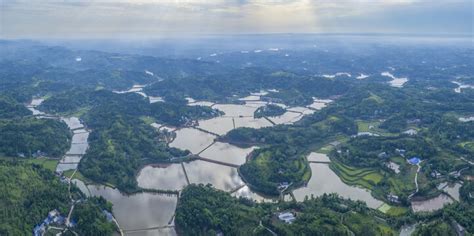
162, 18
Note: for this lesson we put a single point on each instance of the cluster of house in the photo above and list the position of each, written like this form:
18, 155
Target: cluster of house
393, 198
36, 154
54, 217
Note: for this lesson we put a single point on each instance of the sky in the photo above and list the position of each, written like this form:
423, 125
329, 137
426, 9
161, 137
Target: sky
165, 18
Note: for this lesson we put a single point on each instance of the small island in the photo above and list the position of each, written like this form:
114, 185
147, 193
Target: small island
275, 170
269, 110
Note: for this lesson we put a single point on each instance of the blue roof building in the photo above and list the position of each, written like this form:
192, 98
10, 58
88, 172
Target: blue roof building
414, 160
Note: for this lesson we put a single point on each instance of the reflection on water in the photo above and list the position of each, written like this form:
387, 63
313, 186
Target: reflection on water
219, 125
165, 177
432, 204
138, 211
221, 177
227, 153
192, 139
247, 193
324, 180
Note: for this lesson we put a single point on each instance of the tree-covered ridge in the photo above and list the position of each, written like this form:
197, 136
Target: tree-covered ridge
10, 108
29, 192
119, 145
29, 136
174, 113
203, 210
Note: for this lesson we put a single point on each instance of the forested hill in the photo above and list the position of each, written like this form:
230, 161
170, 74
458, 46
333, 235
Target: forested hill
30, 192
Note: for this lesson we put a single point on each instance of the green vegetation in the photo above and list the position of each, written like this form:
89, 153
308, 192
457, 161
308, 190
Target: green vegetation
269, 110
120, 145
91, 218
203, 210
30, 192
49, 164
122, 140
363, 177
9, 108
32, 137
435, 228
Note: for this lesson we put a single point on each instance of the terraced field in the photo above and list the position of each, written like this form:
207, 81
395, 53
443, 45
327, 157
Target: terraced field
364, 177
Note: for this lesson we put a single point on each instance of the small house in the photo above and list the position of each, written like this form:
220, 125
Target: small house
108, 215
414, 160
411, 132
435, 174
287, 217
393, 198
382, 155
401, 152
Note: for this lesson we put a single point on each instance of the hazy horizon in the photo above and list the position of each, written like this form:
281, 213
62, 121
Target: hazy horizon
155, 19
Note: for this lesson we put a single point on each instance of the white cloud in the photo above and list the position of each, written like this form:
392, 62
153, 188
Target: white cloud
102, 18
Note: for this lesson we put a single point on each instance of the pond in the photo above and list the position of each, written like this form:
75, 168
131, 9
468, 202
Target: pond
324, 180
302, 110
432, 204
138, 211
407, 230
61, 167
395, 82
462, 86
221, 177
287, 118
218, 125
72, 122
162, 176
319, 104
451, 189
466, 119
192, 139
251, 122
80, 137
235, 110
227, 153
78, 149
